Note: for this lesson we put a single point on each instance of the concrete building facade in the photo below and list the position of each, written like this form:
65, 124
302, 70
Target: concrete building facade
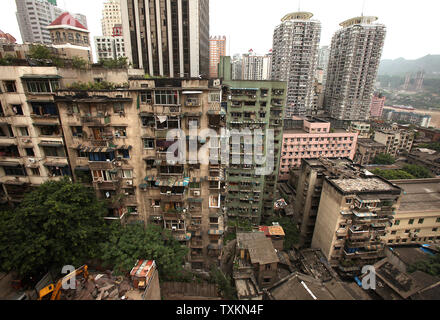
34, 16
111, 16
355, 55
112, 47
167, 38
70, 37
253, 105
314, 139
355, 211
417, 220
295, 59
256, 67
377, 104
397, 141
367, 150
217, 49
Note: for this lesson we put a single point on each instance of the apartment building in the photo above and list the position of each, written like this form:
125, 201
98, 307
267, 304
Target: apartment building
355, 55
362, 128
6, 38
70, 37
167, 38
32, 149
34, 16
217, 49
397, 141
355, 211
323, 58
377, 104
407, 117
111, 16
253, 105
112, 47
367, 150
295, 59
417, 220
315, 139
256, 67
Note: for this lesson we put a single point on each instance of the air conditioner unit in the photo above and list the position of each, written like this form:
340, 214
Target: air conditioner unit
129, 182
174, 228
79, 135
31, 160
197, 193
100, 180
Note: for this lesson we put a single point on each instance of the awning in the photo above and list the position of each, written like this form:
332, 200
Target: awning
55, 164
51, 144
364, 214
83, 148
7, 144
215, 232
124, 147
182, 183
9, 164
192, 92
36, 76
46, 124
85, 169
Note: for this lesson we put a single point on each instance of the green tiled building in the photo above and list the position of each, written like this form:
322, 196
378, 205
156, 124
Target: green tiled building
252, 105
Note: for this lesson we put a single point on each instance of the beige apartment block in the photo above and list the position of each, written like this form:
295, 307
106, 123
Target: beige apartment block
417, 221
353, 217
32, 150
397, 141
367, 150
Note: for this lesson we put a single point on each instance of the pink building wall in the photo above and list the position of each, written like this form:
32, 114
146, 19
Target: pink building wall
377, 104
314, 141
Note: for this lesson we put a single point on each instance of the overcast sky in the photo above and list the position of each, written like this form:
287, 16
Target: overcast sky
413, 26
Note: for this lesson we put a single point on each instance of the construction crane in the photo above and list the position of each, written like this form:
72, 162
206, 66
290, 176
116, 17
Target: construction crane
56, 290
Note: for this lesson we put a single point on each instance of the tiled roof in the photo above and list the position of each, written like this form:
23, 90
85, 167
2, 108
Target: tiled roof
67, 19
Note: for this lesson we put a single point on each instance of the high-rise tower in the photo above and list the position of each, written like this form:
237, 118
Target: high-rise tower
295, 55
167, 37
354, 61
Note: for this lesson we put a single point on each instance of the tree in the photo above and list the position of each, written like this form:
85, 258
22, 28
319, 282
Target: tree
290, 229
39, 52
430, 266
384, 158
393, 174
129, 243
418, 172
79, 63
59, 223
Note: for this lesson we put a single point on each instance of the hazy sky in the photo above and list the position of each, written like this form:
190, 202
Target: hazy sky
413, 26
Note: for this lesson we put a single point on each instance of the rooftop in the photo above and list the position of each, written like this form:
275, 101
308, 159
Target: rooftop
298, 286
66, 19
260, 248
419, 195
370, 143
364, 184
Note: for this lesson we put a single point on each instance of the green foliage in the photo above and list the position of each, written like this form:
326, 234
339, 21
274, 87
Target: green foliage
126, 244
433, 146
40, 52
240, 224
384, 159
290, 229
430, 266
8, 60
119, 63
418, 172
57, 224
224, 283
85, 86
393, 174
229, 237
79, 63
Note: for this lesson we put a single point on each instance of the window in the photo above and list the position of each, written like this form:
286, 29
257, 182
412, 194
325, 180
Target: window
14, 171
437, 220
214, 201
23, 132
411, 221
434, 229
421, 221
72, 109
393, 232
35, 171
120, 132
30, 152
214, 97
128, 174
166, 97
397, 222
146, 97
125, 153
39, 86
77, 132
118, 107
148, 143
10, 86
17, 109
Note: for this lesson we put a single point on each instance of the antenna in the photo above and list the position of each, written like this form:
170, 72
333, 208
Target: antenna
299, 5
363, 8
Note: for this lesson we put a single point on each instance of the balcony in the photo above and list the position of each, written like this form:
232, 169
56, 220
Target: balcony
107, 185
192, 102
95, 120
196, 244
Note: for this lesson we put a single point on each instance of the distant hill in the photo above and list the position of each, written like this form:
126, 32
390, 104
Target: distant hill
401, 66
